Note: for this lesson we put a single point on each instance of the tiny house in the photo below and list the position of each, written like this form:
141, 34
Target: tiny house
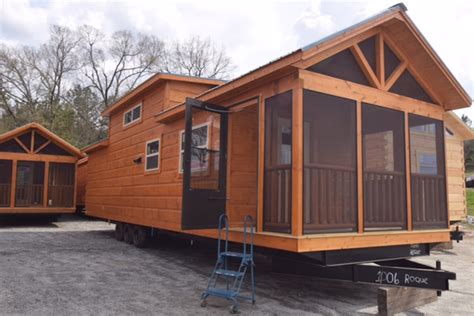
337, 146
37, 172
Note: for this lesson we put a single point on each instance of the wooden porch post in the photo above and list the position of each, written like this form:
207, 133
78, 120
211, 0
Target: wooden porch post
13, 184
261, 162
45, 184
408, 173
360, 173
297, 161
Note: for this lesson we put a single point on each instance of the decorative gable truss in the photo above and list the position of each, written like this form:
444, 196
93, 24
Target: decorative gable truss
373, 59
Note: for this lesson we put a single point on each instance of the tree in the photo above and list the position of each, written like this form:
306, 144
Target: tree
88, 125
114, 65
66, 82
32, 79
199, 58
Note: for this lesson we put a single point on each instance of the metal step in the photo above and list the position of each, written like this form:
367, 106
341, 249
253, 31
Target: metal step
232, 254
230, 273
222, 292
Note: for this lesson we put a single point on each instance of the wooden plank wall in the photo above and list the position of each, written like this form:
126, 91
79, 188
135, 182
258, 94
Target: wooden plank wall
120, 189
243, 159
456, 178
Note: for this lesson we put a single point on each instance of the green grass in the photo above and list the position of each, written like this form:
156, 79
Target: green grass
470, 201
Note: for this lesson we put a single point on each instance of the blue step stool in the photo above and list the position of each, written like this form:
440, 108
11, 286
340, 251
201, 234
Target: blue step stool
225, 282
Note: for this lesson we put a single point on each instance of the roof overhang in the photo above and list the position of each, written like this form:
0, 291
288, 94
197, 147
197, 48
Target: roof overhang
461, 128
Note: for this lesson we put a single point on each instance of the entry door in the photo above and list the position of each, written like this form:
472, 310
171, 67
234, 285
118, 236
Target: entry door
29, 183
204, 165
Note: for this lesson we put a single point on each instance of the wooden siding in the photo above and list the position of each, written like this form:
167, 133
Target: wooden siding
456, 178
81, 182
120, 189
242, 165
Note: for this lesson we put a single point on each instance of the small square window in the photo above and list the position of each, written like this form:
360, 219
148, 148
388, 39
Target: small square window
152, 155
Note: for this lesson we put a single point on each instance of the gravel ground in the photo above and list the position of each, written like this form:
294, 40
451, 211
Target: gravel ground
74, 266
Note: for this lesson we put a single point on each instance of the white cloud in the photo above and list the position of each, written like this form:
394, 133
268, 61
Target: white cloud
253, 32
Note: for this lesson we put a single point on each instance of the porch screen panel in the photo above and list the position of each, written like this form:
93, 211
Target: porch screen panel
277, 177
428, 182
384, 168
61, 184
330, 154
5, 182
29, 184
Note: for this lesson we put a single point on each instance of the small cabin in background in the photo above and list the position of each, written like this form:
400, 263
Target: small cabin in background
456, 133
37, 172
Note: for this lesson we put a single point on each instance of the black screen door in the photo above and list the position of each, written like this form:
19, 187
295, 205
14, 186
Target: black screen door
204, 165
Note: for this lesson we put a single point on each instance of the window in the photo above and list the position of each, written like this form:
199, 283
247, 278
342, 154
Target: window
428, 182
277, 178
132, 115
152, 161
330, 189
199, 149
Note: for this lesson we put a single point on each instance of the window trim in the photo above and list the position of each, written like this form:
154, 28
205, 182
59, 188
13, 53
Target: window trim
131, 111
181, 150
158, 154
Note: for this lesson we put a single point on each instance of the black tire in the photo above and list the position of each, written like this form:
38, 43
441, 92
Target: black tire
119, 231
128, 233
140, 236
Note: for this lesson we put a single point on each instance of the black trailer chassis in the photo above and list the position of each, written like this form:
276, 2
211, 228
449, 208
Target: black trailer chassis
393, 271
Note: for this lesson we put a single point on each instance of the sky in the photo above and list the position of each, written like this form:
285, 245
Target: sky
252, 32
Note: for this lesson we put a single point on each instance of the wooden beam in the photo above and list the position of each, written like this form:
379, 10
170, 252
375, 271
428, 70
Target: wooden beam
364, 65
408, 173
360, 172
32, 145
22, 145
297, 162
395, 75
13, 183
261, 163
38, 157
42, 146
349, 90
405, 58
380, 58
46, 184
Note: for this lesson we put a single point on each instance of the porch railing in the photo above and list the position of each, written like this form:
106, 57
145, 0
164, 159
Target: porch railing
61, 195
5, 194
428, 201
277, 214
329, 198
29, 195
385, 200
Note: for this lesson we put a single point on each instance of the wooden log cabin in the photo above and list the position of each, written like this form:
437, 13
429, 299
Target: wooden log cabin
337, 146
37, 172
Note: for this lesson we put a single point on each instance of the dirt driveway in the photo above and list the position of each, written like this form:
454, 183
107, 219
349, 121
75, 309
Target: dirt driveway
74, 266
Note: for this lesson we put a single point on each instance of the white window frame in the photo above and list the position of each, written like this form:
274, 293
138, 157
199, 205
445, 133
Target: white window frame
152, 155
131, 111
181, 150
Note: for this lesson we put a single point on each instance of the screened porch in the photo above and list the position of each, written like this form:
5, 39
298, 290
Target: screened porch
35, 171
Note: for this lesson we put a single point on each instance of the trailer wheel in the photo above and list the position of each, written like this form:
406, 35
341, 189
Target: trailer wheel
128, 233
140, 236
119, 231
